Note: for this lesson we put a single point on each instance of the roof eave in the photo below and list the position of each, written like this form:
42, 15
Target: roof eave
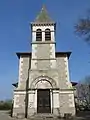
42, 23
22, 53
66, 53
57, 53
15, 84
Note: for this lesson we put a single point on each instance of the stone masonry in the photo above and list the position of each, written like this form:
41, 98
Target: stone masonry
42, 70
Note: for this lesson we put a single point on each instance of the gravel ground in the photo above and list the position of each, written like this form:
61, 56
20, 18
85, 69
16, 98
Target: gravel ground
4, 115
84, 115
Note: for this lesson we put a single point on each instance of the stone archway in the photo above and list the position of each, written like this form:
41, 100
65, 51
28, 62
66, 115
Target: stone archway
43, 84
47, 81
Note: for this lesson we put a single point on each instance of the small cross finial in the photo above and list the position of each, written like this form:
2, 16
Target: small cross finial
43, 7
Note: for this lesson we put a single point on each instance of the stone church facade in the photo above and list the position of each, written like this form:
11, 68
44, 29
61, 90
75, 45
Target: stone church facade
43, 85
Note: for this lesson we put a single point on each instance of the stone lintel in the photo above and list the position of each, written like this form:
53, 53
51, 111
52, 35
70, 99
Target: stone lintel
44, 59
70, 89
29, 89
44, 31
40, 42
23, 90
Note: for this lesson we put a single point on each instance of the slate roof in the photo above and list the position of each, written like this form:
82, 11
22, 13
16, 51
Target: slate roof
15, 84
43, 16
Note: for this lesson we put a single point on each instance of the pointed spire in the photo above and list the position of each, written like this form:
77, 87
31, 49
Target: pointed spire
43, 16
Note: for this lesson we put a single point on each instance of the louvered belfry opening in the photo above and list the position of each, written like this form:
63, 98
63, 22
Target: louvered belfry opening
39, 35
47, 35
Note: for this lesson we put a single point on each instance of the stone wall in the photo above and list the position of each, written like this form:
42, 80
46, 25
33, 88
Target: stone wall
43, 56
23, 71
19, 103
20, 92
49, 73
63, 72
67, 104
62, 99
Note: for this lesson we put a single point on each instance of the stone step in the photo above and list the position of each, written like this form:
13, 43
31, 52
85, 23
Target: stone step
43, 117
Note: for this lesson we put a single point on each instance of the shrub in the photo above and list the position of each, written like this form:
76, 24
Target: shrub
5, 105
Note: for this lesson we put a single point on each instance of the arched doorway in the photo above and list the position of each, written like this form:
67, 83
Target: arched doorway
43, 86
43, 96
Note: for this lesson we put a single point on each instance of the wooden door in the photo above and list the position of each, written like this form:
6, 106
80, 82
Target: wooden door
43, 101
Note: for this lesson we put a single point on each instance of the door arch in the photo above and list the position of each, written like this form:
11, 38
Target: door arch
51, 83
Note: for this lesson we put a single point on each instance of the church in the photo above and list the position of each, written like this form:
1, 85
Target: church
43, 84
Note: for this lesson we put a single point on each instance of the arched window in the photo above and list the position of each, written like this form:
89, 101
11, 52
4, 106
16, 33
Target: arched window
47, 35
39, 35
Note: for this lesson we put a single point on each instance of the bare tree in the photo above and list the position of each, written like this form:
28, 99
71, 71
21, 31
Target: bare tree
82, 28
83, 92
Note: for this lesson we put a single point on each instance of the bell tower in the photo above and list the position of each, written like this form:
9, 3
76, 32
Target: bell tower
43, 41
43, 84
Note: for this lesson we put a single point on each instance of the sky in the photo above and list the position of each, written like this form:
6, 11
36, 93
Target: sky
15, 18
